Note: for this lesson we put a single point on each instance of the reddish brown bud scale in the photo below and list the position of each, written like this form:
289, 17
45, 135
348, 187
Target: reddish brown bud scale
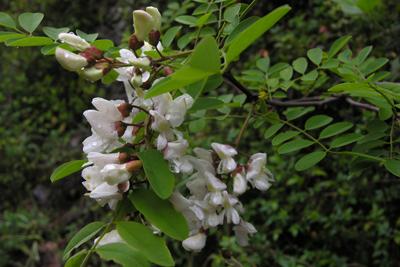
134, 43
154, 37
92, 54
134, 165
120, 128
123, 157
168, 71
124, 109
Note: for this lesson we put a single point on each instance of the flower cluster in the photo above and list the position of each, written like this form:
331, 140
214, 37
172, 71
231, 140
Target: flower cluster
215, 181
211, 203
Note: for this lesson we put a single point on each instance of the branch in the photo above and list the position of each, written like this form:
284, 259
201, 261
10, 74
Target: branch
301, 102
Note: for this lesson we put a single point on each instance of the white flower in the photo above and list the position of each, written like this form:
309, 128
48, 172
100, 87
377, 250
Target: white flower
92, 177
115, 173
225, 153
215, 187
100, 159
70, 61
242, 232
195, 243
175, 152
109, 238
177, 109
97, 143
105, 192
190, 210
203, 154
239, 183
231, 206
74, 41
257, 174
153, 11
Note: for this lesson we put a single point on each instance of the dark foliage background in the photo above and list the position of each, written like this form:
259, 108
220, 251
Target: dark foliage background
332, 216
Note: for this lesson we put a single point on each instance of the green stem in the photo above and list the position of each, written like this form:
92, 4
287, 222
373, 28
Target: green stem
244, 126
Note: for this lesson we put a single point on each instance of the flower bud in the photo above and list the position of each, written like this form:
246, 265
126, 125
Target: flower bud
74, 41
168, 71
92, 74
134, 43
153, 11
195, 242
92, 54
154, 37
124, 109
143, 23
134, 165
69, 60
123, 157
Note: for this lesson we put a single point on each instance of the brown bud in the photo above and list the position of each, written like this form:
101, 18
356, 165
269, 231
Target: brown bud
134, 43
125, 109
168, 71
123, 157
133, 165
92, 54
119, 126
154, 37
264, 53
146, 85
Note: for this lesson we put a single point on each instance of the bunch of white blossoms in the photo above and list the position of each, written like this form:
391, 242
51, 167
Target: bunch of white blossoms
211, 202
215, 181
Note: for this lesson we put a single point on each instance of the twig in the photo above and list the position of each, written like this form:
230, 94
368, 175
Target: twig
244, 126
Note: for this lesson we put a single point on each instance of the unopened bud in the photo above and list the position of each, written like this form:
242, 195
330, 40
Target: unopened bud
136, 80
153, 11
134, 165
120, 128
143, 23
123, 157
74, 41
92, 74
125, 109
69, 60
168, 71
154, 37
92, 54
134, 43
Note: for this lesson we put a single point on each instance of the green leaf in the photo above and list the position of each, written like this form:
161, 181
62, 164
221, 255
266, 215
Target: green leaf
253, 32
372, 65
338, 45
82, 236
315, 55
122, 254
294, 145
110, 77
309, 160
393, 166
204, 62
197, 125
282, 137
88, 37
203, 20
7, 21
311, 76
345, 140
66, 169
4, 36
286, 74
160, 213
240, 28
271, 131
54, 32
232, 13
170, 35
263, 64
317, 121
157, 171
142, 239
297, 112
362, 55
206, 103
335, 129
30, 41
77, 259
30, 21
103, 44
300, 65
186, 20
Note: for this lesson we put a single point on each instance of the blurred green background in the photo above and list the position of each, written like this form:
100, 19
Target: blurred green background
330, 216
